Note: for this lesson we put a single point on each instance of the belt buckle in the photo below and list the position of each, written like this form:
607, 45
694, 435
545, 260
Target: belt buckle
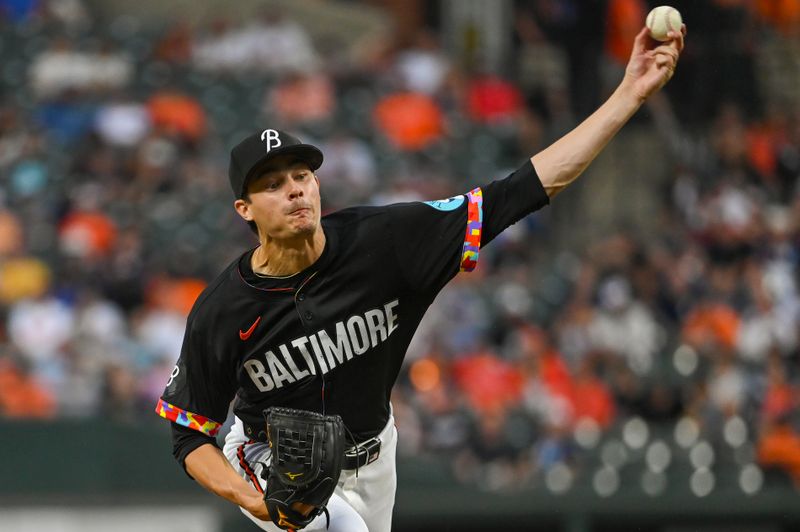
365, 453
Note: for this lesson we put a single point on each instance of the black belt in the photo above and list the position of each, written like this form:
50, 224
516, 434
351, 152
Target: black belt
362, 454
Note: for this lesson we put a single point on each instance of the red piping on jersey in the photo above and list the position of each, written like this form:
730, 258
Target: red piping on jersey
246, 467
304, 283
289, 289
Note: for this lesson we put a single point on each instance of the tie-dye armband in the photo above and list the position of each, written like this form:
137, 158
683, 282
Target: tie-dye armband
472, 238
187, 419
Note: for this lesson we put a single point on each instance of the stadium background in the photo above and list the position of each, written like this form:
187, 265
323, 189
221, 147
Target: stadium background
624, 360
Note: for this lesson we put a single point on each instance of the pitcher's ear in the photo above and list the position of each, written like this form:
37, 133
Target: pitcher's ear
243, 209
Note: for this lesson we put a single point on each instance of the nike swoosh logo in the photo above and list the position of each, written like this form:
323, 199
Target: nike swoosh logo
246, 335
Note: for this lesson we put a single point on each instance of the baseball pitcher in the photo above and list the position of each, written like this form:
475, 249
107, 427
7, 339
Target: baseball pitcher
306, 333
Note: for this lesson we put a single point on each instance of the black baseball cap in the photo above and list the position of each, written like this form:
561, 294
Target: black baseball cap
254, 152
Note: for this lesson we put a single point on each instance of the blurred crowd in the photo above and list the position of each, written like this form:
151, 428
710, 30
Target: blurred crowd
547, 362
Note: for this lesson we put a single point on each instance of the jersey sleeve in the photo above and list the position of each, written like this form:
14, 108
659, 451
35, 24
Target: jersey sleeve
186, 440
507, 201
434, 240
200, 387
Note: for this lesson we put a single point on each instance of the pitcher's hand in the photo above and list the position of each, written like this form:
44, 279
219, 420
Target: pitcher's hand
652, 64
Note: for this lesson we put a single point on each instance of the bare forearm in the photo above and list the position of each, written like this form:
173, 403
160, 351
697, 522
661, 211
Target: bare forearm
651, 66
562, 162
209, 467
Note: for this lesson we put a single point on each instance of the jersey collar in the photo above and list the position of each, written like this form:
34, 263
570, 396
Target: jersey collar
281, 287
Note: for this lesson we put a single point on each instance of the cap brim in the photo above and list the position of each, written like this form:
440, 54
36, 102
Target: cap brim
311, 155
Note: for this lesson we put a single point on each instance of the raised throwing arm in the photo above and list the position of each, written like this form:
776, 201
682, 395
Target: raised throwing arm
648, 69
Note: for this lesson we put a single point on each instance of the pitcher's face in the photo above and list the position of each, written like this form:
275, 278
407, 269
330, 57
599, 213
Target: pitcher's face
283, 201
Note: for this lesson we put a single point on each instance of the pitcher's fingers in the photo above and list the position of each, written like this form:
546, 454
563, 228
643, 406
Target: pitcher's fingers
640, 43
676, 40
666, 49
663, 60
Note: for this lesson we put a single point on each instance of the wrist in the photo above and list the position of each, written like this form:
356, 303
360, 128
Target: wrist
254, 503
628, 96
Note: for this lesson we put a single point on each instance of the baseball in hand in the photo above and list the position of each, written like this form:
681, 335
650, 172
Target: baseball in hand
663, 19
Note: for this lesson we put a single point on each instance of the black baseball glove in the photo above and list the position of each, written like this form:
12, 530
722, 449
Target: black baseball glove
307, 458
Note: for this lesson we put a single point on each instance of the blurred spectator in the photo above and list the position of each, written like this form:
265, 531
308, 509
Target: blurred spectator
624, 21
175, 295
10, 234
124, 278
176, 113
408, 422
14, 139
769, 324
175, 46
543, 72
122, 122
711, 327
548, 395
302, 100
111, 69
764, 141
554, 447
23, 278
493, 100
410, 121
782, 14
159, 327
87, 234
779, 447
160, 332
72, 14
99, 321
423, 67
543, 65
19, 10
271, 43
66, 120
151, 382
652, 400
593, 399
40, 328
726, 386
350, 173
780, 397
119, 394
779, 443
733, 51
624, 327
488, 383
62, 68
445, 421
21, 396
456, 322
788, 159
491, 453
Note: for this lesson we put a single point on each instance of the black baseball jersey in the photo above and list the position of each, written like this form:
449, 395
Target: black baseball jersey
332, 338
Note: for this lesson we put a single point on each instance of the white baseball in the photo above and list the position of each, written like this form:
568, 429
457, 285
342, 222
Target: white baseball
663, 19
